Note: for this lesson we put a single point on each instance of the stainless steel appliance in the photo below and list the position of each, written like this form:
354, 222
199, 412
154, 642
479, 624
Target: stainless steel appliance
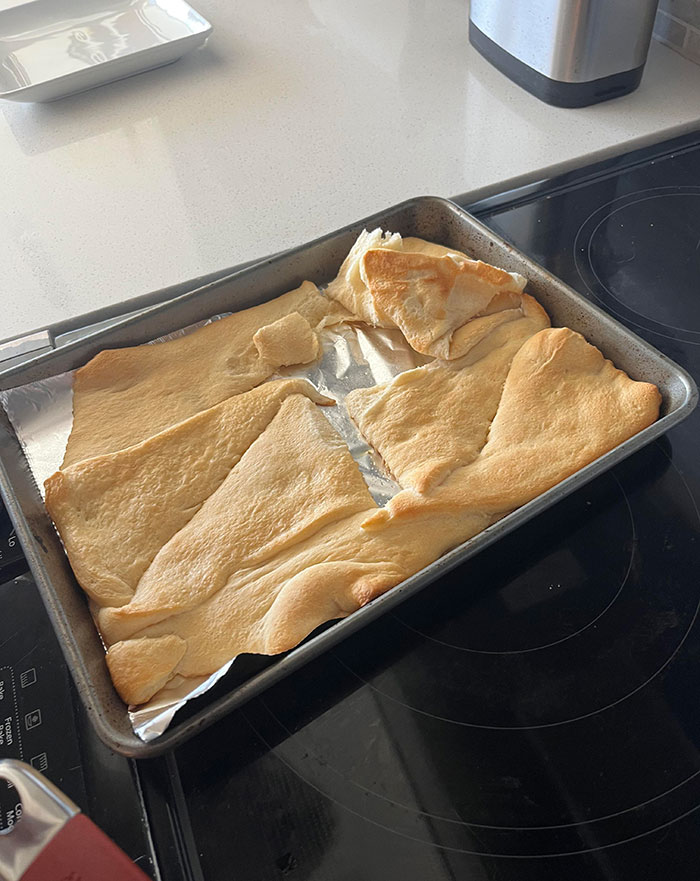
567, 52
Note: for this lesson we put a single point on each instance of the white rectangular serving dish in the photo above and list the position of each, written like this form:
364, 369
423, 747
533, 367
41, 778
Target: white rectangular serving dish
53, 48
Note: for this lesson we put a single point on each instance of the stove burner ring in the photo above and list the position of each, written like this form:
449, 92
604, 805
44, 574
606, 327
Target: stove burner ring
545, 645
596, 282
304, 752
540, 725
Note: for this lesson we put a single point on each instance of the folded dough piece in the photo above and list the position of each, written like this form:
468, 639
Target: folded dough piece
350, 285
288, 341
114, 512
123, 396
159, 656
503, 308
429, 298
294, 478
563, 405
271, 606
426, 422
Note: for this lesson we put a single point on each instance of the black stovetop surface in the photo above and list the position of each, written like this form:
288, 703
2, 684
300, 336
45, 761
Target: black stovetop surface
532, 716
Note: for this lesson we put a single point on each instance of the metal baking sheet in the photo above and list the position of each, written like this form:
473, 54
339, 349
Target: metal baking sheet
430, 218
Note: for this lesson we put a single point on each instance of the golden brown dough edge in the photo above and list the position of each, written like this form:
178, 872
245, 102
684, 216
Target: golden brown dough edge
532, 448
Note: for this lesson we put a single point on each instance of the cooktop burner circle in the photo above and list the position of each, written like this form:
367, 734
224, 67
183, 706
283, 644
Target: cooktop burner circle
565, 595
413, 815
639, 254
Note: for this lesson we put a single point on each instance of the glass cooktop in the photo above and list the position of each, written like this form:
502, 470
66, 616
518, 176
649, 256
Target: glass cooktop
535, 714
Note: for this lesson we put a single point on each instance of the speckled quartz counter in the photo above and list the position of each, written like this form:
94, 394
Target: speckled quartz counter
297, 118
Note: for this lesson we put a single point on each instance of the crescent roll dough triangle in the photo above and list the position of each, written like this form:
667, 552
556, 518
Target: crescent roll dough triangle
426, 422
430, 297
114, 512
123, 396
295, 477
349, 287
563, 405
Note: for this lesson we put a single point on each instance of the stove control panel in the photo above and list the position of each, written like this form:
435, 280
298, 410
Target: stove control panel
36, 705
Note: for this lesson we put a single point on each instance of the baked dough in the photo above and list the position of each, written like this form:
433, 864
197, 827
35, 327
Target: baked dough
429, 298
426, 422
296, 481
295, 477
271, 606
123, 396
349, 288
290, 340
116, 511
127, 662
421, 246
351, 285
563, 405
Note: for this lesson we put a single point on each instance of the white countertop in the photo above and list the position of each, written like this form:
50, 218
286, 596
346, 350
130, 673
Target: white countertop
297, 118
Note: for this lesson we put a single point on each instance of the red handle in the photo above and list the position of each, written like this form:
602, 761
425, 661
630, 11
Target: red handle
82, 852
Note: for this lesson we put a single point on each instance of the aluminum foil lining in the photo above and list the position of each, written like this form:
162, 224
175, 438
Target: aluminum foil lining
353, 357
